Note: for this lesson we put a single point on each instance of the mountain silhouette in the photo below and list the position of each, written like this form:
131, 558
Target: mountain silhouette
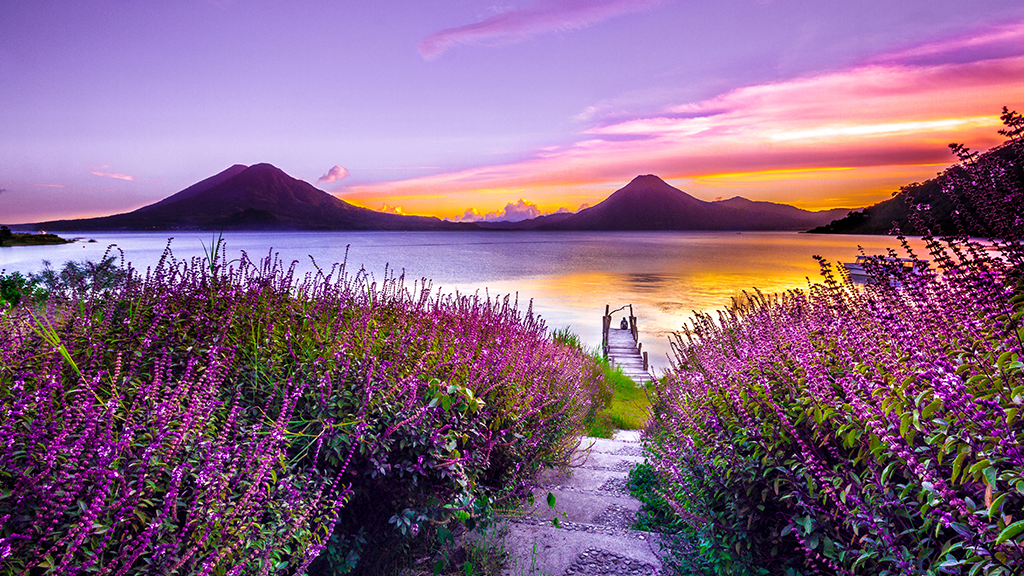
259, 197
263, 197
650, 203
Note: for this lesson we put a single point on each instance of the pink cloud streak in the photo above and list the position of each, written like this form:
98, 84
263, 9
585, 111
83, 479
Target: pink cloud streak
538, 18
114, 175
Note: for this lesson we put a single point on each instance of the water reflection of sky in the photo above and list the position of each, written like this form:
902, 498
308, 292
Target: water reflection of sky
570, 276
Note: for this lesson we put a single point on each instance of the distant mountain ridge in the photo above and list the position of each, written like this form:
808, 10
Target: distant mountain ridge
260, 197
650, 203
263, 197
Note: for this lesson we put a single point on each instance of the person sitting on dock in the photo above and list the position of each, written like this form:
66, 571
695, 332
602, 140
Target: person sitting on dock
624, 325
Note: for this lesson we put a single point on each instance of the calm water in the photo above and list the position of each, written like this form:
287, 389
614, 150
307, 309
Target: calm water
570, 276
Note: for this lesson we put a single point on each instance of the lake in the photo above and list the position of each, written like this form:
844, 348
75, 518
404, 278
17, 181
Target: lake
569, 276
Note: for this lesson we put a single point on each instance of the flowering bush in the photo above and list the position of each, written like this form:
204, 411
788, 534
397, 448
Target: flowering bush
861, 429
230, 418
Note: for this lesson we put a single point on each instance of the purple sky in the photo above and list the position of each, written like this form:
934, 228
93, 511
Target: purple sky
444, 108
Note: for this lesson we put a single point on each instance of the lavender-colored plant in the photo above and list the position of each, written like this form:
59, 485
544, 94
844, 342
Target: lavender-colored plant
861, 429
215, 417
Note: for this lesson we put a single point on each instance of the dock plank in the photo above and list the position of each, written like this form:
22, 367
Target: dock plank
623, 352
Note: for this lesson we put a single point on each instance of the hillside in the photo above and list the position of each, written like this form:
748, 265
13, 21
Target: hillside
260, 197
937, 210
649, 203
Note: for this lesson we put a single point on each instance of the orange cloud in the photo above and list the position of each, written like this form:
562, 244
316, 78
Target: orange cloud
389, 209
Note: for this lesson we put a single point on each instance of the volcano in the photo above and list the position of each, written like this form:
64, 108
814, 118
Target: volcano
650, 203
258, 197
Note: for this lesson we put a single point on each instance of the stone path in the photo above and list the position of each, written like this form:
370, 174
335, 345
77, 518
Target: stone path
595, 513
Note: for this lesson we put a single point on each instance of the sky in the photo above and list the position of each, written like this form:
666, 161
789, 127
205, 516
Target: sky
468, 109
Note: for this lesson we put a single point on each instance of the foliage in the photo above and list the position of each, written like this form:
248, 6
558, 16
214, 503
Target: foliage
78, 277
73, 277
628, 407
15, 286
8, 238
597, 423
647, 486
868, 429
212, 417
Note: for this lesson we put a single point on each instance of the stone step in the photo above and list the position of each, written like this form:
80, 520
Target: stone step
579, 549
613, 510
611, 446
611, 482
595, 514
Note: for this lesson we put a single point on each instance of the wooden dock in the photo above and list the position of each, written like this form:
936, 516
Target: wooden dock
621, 346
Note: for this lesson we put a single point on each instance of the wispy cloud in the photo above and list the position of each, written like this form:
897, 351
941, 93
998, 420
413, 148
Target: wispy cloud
335, 174
995, 42
541, 17
114, 175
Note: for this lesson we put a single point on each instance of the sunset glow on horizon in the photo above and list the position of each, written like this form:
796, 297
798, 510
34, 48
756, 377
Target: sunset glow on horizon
474, 112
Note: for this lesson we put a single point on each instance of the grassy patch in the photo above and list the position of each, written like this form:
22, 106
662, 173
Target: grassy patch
629, 408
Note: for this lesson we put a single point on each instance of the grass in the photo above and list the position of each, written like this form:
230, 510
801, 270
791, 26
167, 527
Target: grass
629, 408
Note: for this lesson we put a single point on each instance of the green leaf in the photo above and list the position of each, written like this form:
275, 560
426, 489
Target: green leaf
555, 522
551, 500
905, 421
438, 566
1010, 531
990, 476
997, 504
979, 465
888, 471
958, 463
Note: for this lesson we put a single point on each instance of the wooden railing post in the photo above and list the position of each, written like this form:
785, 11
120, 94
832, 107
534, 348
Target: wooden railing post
646, 368
606, 324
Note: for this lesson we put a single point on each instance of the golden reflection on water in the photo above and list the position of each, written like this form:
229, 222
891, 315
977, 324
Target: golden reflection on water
667, 279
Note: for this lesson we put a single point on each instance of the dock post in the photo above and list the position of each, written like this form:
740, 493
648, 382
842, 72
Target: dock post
646, 367
606, 324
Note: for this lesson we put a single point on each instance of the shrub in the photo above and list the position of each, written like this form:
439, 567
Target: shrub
231, 418
860, 429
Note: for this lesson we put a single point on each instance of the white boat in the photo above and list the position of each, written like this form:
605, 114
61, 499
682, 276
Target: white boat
891, 266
